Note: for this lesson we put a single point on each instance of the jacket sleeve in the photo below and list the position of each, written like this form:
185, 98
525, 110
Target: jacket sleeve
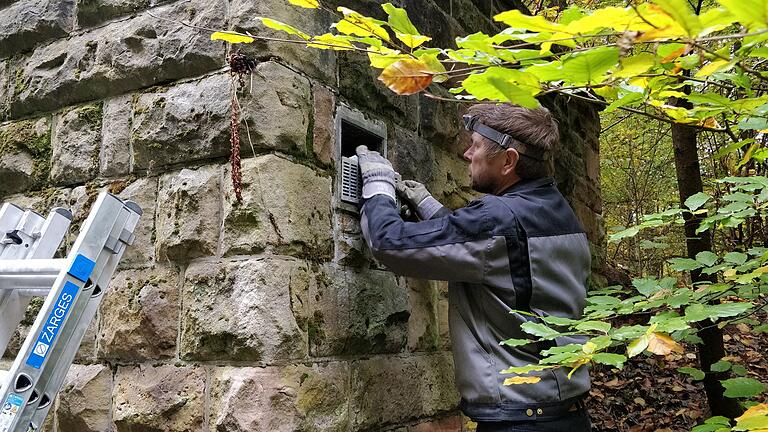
453, 247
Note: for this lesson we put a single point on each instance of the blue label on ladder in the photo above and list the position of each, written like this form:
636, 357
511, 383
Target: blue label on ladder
82, 268
52, 325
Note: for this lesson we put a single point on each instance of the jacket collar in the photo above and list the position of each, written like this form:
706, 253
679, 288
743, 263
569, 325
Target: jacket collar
526, 185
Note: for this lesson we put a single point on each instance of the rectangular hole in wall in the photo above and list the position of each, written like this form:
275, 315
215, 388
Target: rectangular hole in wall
353, 136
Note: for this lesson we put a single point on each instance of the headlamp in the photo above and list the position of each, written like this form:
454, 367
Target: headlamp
472, 124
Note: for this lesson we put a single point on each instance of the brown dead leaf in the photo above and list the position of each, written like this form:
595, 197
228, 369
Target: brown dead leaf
662, 344
408, 76
640, 401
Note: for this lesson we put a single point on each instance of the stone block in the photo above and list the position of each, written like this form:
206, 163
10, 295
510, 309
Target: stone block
440, 122
442, 315
93, 12
5, 88
85, 400
406, 388
25, 155
144, 193
320, 64
295, 398
187, 224
423, 324
140, 315
76, 140
412, 157
159, 398
120, 57
286, 206
451, 183
244, 310
191, 121
115, 151
358, 83
27, 23
356, 312
324, 134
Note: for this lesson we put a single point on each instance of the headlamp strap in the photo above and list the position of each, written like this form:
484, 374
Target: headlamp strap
499, 138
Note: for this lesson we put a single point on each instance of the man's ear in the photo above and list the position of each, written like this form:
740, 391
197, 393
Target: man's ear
510, 163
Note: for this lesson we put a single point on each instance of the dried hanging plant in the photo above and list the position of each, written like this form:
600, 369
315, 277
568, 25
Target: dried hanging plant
239, 66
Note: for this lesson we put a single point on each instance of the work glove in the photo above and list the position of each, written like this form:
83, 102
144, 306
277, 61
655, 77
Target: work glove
376, 172
419, 198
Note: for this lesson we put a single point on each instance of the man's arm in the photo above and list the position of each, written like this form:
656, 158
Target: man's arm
456, 247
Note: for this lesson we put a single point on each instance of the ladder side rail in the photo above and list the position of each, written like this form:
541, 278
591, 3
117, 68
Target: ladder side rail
10, 215
70, 284
13, 305
52, 379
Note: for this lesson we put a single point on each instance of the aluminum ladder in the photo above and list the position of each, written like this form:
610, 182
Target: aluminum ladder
73, 288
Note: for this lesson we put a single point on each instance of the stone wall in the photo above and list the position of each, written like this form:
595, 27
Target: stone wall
264, 315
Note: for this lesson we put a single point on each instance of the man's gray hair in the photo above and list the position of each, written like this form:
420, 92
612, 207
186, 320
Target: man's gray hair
536, 128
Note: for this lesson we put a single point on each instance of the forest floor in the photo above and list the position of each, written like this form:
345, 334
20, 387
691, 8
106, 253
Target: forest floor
649, 395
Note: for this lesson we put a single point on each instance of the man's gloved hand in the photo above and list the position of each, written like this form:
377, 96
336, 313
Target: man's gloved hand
419, 198
376, 172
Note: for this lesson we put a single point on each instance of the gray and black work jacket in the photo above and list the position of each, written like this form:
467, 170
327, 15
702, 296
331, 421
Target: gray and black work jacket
521, 250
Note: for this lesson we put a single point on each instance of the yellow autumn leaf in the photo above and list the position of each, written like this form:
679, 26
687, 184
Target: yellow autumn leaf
277, 25
711, 68
232, 37
412, 41
522, 380
577, 364
753, 415
381, 57
662, 344
359, 25
309, 4
406, 77
330, 41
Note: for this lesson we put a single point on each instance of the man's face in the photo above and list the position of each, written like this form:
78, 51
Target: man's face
484, 170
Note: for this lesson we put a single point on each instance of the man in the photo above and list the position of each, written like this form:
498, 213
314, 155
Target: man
520, 247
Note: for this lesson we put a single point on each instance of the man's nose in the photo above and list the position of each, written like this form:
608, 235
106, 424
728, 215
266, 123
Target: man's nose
468, 154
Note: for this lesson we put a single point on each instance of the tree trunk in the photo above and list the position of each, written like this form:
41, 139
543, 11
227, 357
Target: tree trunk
689, 183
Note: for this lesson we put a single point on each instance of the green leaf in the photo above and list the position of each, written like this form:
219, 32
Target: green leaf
720, 366
599, 326
752, 13
697, 374
696, 312
737, 258
603, 300
695, 201
684, 264
540, 330
398, 20
681, 12
628, 332
504, 85
589, 67
635, 65
515, 342
638, 345
726, 310
742, 387
706, 258
610, 359
646, 286
627, 99
739, 370
558, 321
277, 25
516, 19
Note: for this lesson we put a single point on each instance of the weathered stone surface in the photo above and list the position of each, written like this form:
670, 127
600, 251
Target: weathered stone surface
75, 142
27, 23
159, 398
423, 324
25, 154
357, 312
440, 122
405, 388
324, 133
358, 82
244, 310
92, 12
144, 193
140, 315
120, 57
450, 182
295, 398
412, 157
5, 88
191, 121
442, 315
85, 400
285, 206
115, 151
320, 64
188, 214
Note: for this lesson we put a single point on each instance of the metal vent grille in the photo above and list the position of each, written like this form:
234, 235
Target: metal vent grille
351, 187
